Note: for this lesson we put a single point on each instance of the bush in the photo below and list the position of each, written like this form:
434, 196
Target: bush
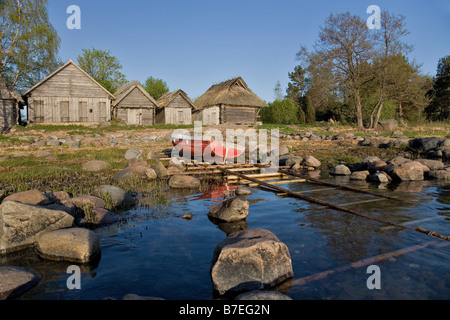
282, 112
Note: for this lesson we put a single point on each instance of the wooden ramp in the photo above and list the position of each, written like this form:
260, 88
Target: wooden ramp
271, 182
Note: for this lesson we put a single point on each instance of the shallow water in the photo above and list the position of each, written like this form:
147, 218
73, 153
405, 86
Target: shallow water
155, 252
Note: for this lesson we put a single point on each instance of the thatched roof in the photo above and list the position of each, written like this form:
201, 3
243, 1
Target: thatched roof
232, 92
125, 90
168, 97
6, 94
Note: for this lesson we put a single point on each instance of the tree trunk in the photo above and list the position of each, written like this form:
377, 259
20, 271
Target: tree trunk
377, 119
359, 116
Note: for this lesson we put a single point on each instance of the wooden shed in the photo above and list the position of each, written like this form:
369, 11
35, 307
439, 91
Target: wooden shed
9, 107
230, 101
175, 108
134, 105
68, 95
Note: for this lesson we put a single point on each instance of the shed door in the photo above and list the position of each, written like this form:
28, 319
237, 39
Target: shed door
64, 106
134, 117
180, 117
83, 111
102, 111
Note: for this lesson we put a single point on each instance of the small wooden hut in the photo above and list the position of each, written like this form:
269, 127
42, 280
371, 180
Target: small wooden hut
68, 95
231, 102
175, 108
9, 107
134, 105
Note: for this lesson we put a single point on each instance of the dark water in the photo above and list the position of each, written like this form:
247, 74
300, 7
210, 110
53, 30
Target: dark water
157, 253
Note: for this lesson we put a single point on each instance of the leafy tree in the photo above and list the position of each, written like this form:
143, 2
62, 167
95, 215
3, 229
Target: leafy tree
281, 112
278, 92
310, 113
439, 108
389, 44
103, 67
29, 43
155, 87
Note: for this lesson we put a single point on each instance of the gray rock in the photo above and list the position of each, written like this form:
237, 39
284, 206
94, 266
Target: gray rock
21, 224
379, 177
133, 153
184, 182
409, 171
291, 160
340, 170
34, 197
85, 201
160, 170
99, 217
425, 144
95, 165
438, 174
311, 161
262, 295
359, 175
398, 161
432, 164
124, 174
230, 210
243, 191
117, 197
252, 259
74, 244
15, 281
283, 150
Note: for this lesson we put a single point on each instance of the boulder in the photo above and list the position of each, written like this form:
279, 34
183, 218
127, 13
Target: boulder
74, 245
124, 174
340, 170
380, 177
310, 161
95, 165
359, 175
34, 197
243, 191
252, 259
291, 160
432, 164
21, 224
15, 281
133, 153
230, 210
116, 197
262, 295
85, 201
409, 171
388, 125
283, 150
99, 217
398, 161
160, 170
438, 174
57, 196
184, 182
425, 144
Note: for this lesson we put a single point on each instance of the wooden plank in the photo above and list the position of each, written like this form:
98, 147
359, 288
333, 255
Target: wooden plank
338, 207
352, 203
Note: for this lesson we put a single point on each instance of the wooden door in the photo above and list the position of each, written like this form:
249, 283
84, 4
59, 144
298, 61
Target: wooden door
82, 111
64, 108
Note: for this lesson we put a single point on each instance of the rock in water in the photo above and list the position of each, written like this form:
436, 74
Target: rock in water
251, 259
409, 171
184, 182
15, 281
21, 224
340, 170
230, 210
75, 245
116, 197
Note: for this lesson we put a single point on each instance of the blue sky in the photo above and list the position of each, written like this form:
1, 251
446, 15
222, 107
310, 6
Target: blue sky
192, 44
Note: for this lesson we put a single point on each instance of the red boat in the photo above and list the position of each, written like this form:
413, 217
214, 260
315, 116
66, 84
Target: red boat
208, 149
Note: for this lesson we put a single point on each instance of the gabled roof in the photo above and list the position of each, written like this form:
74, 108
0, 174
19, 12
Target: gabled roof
234, 92
7, 94
167, 98
125, 90
70, 62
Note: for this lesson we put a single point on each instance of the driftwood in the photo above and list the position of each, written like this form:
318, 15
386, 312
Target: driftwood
339, 186
331, 205
361, 263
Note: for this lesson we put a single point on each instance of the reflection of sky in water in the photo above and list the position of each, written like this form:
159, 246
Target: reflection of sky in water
154, 252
